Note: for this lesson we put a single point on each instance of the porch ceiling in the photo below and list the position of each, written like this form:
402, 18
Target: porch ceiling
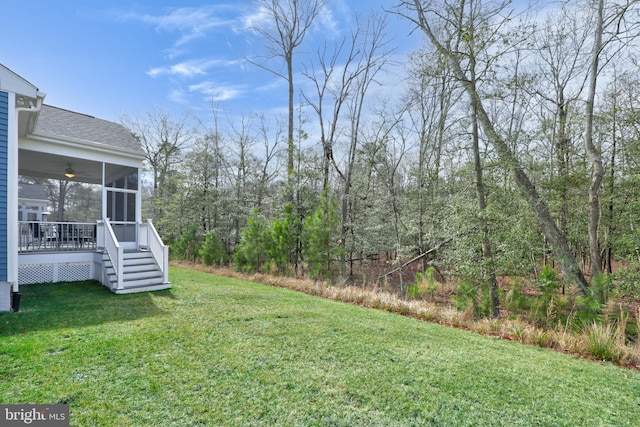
53, 166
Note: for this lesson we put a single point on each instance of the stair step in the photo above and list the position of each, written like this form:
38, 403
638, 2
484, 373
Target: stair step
132, 265
137, 254
143, 288
141, 273
128, 276
139, 282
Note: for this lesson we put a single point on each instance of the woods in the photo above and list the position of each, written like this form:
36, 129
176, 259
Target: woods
490, 120
515, 141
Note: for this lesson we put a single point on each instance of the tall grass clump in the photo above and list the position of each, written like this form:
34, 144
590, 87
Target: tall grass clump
601, 341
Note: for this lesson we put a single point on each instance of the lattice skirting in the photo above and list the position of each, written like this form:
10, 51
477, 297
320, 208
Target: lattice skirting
55, 272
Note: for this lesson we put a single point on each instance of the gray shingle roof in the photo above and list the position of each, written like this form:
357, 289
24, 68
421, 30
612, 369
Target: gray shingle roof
59, 123
32, 191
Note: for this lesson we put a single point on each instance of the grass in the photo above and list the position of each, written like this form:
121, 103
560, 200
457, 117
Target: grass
222, 351
619, 339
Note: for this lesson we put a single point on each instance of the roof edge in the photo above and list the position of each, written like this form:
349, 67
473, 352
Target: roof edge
17, 84
95, 146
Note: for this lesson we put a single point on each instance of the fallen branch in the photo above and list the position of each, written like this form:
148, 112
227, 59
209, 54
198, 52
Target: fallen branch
444, 242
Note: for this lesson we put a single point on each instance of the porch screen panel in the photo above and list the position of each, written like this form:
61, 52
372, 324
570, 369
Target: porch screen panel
131, 207
121, 207
4, 151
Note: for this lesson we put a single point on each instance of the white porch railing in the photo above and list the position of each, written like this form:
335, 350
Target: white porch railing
149, 239
36, 236
107, 240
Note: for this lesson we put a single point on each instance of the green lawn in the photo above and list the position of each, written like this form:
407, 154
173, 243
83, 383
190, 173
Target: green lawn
220, 351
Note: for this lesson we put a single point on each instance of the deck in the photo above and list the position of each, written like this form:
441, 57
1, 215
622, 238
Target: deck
52, 252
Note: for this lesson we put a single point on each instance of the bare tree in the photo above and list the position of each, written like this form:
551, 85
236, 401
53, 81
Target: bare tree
289, 21
615, 27
432, 96
561, 46
471, 41
344, 86
334, 82
242, 166
163, 139
271, 148
392, 140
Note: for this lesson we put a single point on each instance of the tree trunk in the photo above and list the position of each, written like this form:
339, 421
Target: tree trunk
612, 186
562, 152
290, 141
487, 253
595, 156
62, 196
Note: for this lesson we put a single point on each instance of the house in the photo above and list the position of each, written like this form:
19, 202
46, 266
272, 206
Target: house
119, 250
33, 203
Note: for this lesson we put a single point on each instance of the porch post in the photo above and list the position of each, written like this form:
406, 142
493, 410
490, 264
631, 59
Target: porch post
139, 208
139, 197
104, 194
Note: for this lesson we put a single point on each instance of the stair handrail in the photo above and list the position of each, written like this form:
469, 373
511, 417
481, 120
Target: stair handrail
159, 250
115, 252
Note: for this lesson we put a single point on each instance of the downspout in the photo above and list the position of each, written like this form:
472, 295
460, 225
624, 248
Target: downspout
15, 294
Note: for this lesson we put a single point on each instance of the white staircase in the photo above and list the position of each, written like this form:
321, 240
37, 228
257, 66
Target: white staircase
140, 272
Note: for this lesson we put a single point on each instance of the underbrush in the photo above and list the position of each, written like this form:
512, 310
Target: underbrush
597, 326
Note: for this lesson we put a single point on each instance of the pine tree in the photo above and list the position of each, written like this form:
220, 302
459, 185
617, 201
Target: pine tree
252, 252
320, 236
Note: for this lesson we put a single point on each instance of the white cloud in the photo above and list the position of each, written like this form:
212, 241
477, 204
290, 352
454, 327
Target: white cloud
216, 92
178, 96
190, 68
258, 19
327, 22
189, 22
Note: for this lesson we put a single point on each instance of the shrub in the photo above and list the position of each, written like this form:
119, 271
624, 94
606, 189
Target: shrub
254, 245
213, 251
548, 280
473, 294
515, 300
187, 247
413, 291
590, 306
549, 306
627, 281
284, 238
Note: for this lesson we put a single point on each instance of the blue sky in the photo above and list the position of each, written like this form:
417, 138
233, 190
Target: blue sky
111, 57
